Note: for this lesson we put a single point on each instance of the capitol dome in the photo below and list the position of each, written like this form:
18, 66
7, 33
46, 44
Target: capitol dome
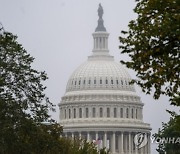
100, 75
100, 104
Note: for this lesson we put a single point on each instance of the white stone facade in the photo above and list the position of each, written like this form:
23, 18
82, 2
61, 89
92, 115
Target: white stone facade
100, 104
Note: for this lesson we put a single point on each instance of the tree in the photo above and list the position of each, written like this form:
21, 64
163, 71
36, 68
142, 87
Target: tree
169, 135
23, 103
153, 44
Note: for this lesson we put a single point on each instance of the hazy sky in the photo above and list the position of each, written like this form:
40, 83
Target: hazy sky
58, 33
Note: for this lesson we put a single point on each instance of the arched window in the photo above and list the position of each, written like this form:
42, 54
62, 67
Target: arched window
115, 113
69, 113
122, 82
127, 113
89, 81
80, 112
125, 82
94, 112
121, 112
75, 82
100, 81
84, 81
94, 81
108, 112
79, 82
132, 113
74, 113
136, 113
101, 112
87, 112
117, 82
111, 81
106, 81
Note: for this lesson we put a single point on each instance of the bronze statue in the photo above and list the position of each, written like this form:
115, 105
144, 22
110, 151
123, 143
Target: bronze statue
100, 11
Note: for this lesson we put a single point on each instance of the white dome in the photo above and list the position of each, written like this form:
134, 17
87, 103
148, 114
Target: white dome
99, 74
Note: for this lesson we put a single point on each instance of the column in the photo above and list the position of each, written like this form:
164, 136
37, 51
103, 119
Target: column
72, 135
113, 143
105, 140
88, 137
125, 144
149, 144
79, 135
96, 140
119, 143
130, 143
136, 148
122, 143
146, 148
94, 43
96, 135
98, 42
107, 42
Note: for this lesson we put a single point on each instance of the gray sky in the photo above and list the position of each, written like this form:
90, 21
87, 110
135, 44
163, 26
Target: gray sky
58, 33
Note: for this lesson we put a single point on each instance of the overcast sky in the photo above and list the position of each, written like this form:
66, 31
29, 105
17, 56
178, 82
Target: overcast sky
58, 33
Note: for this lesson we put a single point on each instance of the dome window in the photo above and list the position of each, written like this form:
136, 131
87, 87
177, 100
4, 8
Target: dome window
65, 113
115, 113
122, 82
136, 113
69, 113
101, 112
87, 112
117, 82
80, 113
132, 112
108, 112
127, 113
121, 112
125, 82
74, 113
94, 112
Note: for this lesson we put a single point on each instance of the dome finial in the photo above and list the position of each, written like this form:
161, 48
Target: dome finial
100, 11
100, 26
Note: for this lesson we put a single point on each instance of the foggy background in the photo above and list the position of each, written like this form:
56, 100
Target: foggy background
58, 34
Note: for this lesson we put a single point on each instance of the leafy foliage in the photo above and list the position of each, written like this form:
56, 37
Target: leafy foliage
21, 88
170, 130
78, 146
23, 103
153, 44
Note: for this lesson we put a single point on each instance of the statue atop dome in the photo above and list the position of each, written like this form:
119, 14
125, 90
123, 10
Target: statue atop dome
100, 11
100, 26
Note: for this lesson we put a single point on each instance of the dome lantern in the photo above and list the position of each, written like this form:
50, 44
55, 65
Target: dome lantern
100, 36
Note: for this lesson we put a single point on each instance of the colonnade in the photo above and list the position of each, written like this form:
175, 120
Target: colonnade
117, 142
100, 43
